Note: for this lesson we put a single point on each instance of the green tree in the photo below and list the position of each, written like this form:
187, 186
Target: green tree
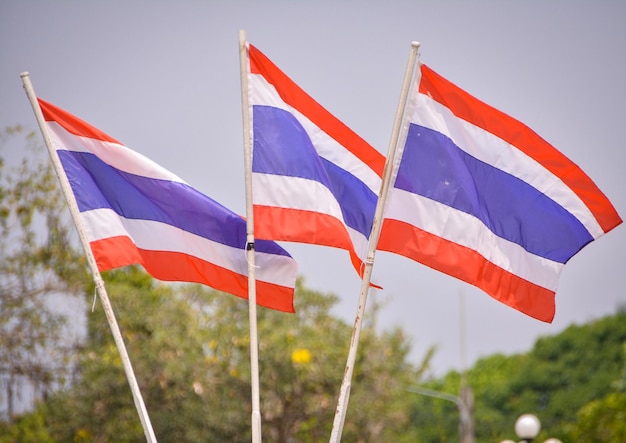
28, 428
190, 349
165, 344
602, 420
302, 360
573, 381
37, 263
565, 372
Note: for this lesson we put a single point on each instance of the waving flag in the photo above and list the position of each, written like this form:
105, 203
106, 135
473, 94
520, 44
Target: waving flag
135, 211
315, 180
483, 198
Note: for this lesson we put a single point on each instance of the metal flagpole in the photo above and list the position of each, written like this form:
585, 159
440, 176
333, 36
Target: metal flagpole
104, 298
247, 145
344, 393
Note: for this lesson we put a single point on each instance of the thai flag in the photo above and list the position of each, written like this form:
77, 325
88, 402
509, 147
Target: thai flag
135, 211
483, 198
314, 180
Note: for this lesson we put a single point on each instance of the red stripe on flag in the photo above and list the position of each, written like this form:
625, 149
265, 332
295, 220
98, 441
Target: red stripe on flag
480, 114
115, 252
290, 224
71, 123
468, 265
176, 266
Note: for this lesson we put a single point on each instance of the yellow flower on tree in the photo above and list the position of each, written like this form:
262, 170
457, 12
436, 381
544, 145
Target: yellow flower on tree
301, 356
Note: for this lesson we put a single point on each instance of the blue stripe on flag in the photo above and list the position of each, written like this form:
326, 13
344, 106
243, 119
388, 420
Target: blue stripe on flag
434, 167
283, 147
98, 185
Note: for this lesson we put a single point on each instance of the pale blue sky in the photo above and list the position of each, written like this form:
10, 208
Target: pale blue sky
163, 78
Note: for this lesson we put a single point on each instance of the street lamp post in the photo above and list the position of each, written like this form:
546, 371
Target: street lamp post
465, 405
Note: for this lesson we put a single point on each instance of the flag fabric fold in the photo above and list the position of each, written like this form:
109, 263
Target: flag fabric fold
480, 196
136, 212
315, 180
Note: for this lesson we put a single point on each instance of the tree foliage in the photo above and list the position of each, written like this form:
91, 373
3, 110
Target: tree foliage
190, 349
165, 345
574, 382
602, 420
37, 263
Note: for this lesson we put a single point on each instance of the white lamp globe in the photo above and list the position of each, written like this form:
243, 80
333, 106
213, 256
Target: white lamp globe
553, 440
527, 426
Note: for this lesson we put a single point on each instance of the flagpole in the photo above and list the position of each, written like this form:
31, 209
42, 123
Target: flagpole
247, 159
344, 393
99, 283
